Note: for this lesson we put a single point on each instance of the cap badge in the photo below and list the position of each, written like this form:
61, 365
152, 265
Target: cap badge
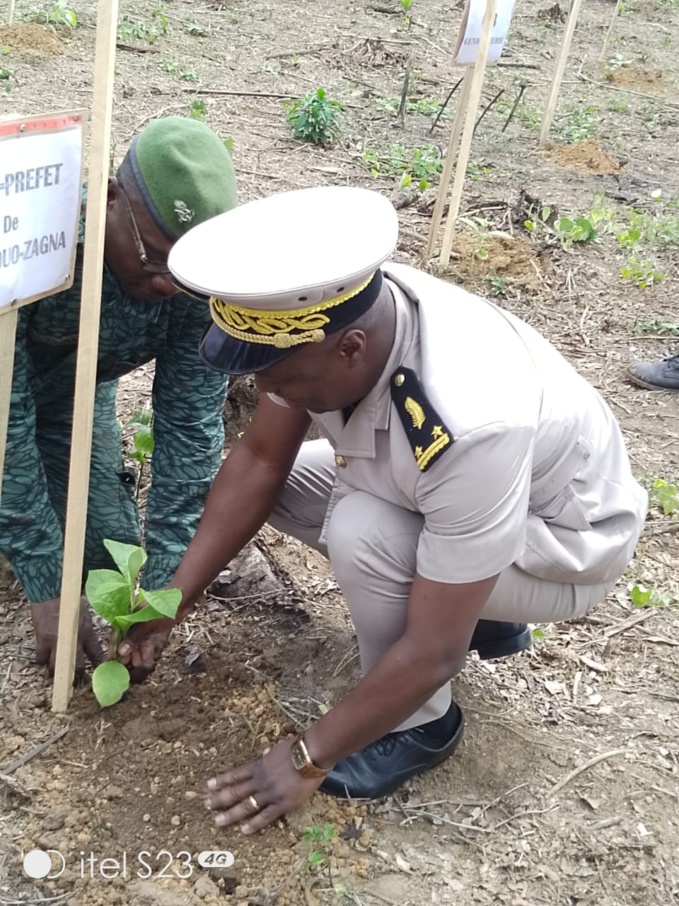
183, 211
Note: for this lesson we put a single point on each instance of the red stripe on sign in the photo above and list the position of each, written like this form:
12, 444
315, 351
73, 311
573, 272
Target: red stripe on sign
46, 124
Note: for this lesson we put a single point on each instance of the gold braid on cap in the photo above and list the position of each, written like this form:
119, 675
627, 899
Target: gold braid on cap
282, 329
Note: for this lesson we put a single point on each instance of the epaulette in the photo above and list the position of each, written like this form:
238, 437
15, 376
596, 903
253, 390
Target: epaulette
427, 434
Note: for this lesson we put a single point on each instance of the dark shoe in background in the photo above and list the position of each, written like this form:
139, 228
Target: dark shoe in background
663, 375
495, 638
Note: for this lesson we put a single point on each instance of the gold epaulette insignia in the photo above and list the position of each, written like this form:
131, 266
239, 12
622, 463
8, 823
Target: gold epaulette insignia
427, 434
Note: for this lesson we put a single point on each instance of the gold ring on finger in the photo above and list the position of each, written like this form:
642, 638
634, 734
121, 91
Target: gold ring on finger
253, 802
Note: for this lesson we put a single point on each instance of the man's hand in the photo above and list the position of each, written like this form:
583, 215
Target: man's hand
142, 647
45, 617
258, 793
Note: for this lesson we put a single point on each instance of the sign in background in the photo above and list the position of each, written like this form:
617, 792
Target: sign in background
469, 40
40, 190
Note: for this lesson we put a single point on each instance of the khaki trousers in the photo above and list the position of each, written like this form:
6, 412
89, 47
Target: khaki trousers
372, 547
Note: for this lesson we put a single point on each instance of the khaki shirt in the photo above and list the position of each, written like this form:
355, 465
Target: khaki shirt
537, 474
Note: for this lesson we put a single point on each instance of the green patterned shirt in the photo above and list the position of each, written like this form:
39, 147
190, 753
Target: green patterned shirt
188, 400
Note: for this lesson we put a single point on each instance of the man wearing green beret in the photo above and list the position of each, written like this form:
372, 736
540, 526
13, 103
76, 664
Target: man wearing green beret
176, 174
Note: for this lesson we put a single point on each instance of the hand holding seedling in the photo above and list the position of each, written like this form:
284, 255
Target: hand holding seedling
117, 598
140, 651
271, 784
45, 617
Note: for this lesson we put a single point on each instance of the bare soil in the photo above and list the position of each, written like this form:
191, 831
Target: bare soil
566, 788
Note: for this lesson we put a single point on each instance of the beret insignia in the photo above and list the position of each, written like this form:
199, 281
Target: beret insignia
427, 435
183, 212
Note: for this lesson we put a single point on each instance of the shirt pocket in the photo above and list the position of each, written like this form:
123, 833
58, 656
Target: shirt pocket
554, 496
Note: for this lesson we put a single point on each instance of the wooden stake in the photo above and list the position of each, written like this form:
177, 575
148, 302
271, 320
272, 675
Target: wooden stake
448, 163
559, 71
88, 343
477, 76
616, 13
8, 328
10, 14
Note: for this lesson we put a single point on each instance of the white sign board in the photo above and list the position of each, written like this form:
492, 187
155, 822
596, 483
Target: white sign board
40, 195
469, 38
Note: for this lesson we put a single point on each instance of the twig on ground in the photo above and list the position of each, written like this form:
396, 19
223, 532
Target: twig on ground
29, 756
445, 104
487, 108
640, 94
627, 624
522, 88
584, 767
223, 92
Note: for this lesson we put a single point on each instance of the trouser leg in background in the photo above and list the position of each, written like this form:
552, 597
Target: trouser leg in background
112, 511
372, 546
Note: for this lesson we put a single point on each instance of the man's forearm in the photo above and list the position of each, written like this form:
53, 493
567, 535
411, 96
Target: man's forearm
400, 683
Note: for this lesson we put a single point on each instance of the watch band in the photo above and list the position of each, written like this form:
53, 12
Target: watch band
301, 760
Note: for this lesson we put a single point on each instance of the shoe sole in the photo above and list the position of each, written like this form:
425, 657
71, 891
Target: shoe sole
505, 647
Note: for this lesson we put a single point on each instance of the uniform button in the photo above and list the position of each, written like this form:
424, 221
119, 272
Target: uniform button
399, 380
340, 461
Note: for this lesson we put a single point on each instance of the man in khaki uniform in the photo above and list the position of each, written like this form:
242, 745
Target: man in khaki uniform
470, 477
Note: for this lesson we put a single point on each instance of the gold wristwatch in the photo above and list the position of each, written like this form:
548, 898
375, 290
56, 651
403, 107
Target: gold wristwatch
301, 760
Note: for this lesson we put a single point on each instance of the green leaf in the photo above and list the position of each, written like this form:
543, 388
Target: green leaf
143, 440
640, 596
108, 593
110, 681
166, 601
144, 615
127, 557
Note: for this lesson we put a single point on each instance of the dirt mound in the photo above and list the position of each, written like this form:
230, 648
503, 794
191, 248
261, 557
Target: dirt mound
504, 262
585, 157
639, 80
31, 39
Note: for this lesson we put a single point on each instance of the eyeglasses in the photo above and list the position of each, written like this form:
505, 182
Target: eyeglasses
151, 267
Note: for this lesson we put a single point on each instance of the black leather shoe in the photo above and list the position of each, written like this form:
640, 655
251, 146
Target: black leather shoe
384, 765
494, 638
663, 375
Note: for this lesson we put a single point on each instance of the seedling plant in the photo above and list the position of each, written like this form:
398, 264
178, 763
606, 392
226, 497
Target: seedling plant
57, 14
133, 29
412, 166
119, 600
315, 118
143, 441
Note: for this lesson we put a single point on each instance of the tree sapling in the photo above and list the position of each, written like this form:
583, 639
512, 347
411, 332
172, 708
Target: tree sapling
117, 598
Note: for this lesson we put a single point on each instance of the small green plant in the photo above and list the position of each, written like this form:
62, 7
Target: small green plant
641, 596
619, 61
530, 117
411, 166
57, 14
189, 75
228, 144
143, 441
424, 106
580, 125
134, 29
641, 273
658, 327
406, 6
116, 596
617, 105
483, 231
664, 495
576, 229
5, 80
315, 118
319, 838
194, 29
198, 110
497, 285
170, 66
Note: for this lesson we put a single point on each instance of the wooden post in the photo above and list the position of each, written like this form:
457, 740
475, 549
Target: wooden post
88, 343
477, 76
451, 155
559, 71
10, 14
8, 326
616, 13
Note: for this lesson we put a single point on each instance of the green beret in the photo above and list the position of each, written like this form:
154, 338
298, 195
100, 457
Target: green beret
183, 173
